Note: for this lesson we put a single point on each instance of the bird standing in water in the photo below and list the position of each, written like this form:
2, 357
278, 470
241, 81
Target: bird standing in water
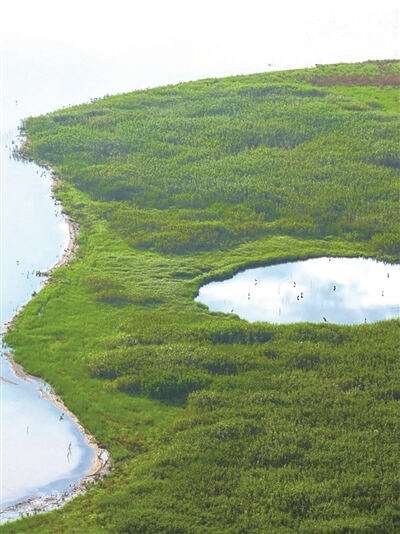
69, 451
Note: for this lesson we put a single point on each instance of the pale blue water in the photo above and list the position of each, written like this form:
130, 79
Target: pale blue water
333, 290
35, 443
40, 455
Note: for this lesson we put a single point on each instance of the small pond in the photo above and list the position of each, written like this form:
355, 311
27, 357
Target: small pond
333, 290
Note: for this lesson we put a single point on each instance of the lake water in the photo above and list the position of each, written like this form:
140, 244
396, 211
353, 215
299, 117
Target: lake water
42, 451
318, 290
44, 66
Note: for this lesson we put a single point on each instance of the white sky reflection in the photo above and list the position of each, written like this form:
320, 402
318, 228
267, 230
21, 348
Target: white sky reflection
343, 290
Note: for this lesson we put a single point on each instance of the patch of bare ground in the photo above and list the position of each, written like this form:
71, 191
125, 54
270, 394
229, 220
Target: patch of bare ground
385, 80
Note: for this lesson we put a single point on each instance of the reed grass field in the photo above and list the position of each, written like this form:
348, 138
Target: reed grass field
215, 425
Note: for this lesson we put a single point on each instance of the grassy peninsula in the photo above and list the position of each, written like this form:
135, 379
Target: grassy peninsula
216, 425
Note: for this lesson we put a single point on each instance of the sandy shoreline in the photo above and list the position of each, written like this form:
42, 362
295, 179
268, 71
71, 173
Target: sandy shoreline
101, 463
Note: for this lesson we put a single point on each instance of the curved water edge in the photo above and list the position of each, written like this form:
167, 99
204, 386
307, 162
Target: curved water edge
55, 494
339, 290
37, 479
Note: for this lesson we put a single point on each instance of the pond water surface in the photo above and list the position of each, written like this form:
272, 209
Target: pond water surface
333, 290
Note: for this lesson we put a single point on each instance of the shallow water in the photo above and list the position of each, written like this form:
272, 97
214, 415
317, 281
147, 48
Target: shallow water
333, 290
42, 451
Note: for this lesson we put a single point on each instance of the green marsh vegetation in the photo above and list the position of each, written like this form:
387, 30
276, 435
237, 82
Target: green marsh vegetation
214, 424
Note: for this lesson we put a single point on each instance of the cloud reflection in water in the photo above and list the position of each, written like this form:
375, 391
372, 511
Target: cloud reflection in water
343, 290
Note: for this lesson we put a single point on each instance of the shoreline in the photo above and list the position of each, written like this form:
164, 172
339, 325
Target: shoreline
100, 466
101, 463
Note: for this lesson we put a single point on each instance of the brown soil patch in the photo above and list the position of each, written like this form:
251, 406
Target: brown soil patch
392, 80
